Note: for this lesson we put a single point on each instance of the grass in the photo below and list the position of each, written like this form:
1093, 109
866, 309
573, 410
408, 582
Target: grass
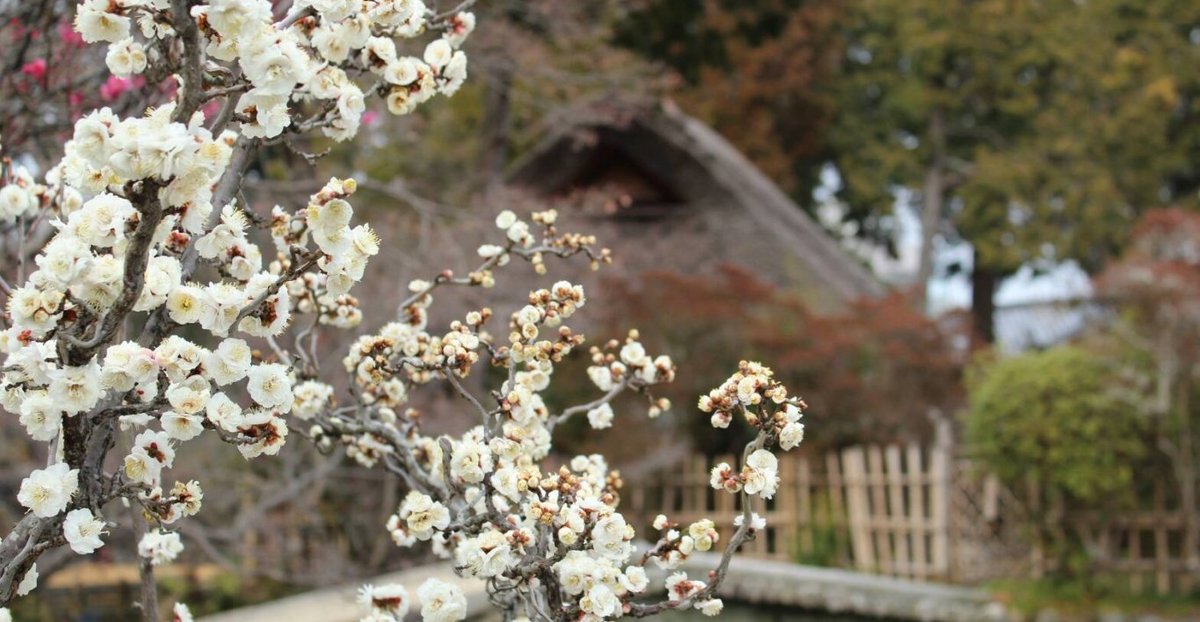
1072, 598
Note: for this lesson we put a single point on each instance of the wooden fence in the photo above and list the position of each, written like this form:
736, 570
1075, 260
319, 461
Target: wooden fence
914, 512
877, 509
1147, 549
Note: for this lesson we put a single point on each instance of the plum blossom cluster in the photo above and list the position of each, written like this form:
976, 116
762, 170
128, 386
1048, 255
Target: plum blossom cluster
764, 403
141, 216
311, 58
54, 377
550, 542
676, 544
440, 601
139, 205
20, 195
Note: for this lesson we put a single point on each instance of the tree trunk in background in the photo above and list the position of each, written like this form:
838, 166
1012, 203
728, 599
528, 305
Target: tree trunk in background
149, 601
983, 303
1185, 472
931, 204
494, 156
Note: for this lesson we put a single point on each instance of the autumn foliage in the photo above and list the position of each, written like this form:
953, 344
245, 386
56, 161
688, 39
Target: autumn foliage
875, 371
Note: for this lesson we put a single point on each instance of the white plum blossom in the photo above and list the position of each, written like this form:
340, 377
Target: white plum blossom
438, 53
160, 547
391, 600
140, 467
711, 607
463, 24
600, 417
229, 362
75, 389
183, 427
126, 57
679, 587
133, 219
611, 536
268, 430
310, 398
95, 23
128, 364
486, 555
15, 201
441, 601
423, 515
470, 461
83, 530
29, 582
189, 396
157, 445
46, 492
41, 417
143, 216
756, 522
178, 357
224, 413
761, 473
600, 601
791, 435
268, 113
634, 579
270, 385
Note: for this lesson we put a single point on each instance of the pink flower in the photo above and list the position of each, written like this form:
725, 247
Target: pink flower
169, 87
113, 88
68, 35
18, 29
370, 117
75, 100
211, 109
35, 69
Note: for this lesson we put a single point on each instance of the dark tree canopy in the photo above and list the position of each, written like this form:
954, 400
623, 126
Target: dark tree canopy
754, 69
1054, 123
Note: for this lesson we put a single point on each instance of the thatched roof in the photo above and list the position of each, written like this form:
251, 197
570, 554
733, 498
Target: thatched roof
688, 158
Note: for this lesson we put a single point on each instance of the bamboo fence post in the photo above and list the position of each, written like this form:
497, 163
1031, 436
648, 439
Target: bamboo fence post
916, 501
785, 514
858, 505
836, 485
939, 484
878, 521
807, 513
900, 520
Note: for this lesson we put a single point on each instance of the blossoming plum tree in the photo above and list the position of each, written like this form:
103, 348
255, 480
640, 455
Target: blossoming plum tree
137, 236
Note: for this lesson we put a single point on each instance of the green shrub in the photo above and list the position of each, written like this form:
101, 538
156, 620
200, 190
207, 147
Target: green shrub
1056, 419
1055, 416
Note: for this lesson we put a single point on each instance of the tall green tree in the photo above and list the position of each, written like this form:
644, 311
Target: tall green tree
1032, 129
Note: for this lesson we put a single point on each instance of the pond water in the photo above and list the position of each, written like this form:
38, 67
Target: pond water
739, 612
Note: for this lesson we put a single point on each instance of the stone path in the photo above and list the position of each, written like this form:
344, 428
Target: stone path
841, 591
338, 604
751, 581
